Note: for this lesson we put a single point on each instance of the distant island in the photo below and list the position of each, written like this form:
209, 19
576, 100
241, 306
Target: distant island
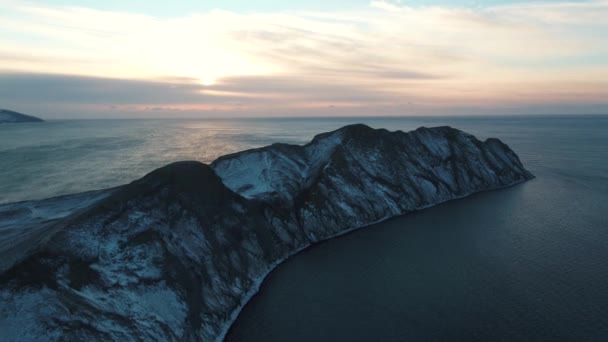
9, 116
175, 255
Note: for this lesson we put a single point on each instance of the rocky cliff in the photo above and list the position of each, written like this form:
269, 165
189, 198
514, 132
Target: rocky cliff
176, 254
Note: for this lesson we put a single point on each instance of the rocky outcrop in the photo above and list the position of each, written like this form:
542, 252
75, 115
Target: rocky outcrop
357, 175
9, 116
176, 254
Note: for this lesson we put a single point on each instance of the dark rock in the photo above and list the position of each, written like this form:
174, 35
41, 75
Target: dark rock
9, 116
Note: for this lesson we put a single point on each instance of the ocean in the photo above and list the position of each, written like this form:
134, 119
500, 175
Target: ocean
526, 263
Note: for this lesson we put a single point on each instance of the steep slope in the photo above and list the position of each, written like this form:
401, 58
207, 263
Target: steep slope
176, 254
357, 175
9, 116
167, 257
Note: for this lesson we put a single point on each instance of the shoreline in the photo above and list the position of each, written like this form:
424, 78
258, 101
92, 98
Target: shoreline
259, 281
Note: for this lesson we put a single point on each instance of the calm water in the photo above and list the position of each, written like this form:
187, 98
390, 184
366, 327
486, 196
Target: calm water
522, 264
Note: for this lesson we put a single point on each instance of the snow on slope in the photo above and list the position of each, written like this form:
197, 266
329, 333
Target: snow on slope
276, 172
23, 225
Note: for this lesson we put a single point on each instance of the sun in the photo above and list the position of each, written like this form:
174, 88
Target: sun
207, 81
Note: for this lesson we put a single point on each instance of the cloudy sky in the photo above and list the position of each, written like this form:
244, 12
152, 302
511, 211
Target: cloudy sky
191, 58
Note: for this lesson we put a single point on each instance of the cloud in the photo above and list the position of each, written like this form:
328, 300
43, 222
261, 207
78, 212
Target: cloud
69, 96
382, 55
386, 6
66, 89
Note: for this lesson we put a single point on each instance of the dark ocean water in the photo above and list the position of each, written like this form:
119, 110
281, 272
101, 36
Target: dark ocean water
527, 263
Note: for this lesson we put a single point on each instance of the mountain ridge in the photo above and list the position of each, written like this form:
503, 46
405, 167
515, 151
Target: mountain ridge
176, 254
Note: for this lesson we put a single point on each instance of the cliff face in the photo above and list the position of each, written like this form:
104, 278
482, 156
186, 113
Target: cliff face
176, 254
8, 116
357, 175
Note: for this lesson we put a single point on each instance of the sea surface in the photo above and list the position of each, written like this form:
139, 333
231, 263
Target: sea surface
527, 263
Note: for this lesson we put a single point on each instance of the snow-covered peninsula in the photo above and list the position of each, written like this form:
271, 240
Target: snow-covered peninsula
176, 254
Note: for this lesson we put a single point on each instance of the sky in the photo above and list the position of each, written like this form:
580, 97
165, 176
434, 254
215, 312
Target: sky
229, 58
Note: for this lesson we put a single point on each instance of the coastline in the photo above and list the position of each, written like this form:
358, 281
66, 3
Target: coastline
258, 282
